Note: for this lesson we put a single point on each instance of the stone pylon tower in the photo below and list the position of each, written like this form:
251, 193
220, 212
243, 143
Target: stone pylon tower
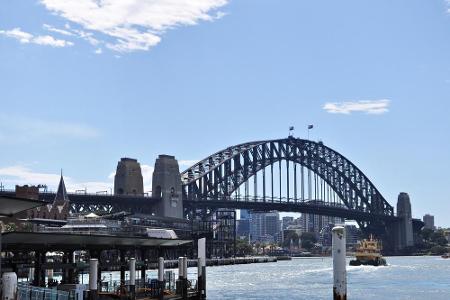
405, 229
128, 179
166, 185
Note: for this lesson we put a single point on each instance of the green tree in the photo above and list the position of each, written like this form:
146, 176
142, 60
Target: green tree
438, 250
290, 236
243, 248
10, 227
308, 240
438, 237
426, 234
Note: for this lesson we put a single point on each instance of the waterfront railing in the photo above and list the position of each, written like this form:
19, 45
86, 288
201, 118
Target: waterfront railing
28, 292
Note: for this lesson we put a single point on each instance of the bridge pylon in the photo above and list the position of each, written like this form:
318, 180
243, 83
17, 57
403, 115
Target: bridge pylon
166, 185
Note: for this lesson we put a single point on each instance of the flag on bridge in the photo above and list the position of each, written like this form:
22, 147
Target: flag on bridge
310, 126
291, 128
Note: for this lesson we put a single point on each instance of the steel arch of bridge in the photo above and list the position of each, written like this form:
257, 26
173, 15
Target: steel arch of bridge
216, 177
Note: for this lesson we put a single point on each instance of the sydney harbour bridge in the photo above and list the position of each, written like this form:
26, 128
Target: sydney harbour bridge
289, 175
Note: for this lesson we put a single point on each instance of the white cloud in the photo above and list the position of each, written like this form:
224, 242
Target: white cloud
367, 106
16, 33
27, 38
57, 30
135, 24
51, 41
87, 36
21, 129
21, 175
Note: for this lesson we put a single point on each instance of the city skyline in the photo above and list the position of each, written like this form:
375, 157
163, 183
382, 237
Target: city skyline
79, 95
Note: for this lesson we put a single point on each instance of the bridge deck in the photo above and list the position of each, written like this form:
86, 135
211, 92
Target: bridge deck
299, 207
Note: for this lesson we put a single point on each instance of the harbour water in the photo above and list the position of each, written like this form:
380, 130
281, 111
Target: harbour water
404, 278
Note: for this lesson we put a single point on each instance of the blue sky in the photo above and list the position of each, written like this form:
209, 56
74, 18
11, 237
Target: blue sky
83, 83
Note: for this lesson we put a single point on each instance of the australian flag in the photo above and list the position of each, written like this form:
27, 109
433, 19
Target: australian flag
310, 126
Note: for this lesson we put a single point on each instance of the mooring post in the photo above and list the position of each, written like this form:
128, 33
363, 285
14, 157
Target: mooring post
31, 275
65, 261
144, 266
0, 255
93, 277
199, 278
161, 277
133, 278
339, 264
9, 286
180, 281
201, 265
49, 272
71, 272
122, 268
185, 281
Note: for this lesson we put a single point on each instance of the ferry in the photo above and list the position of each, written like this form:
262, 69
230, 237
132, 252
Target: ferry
446, 255
368, 252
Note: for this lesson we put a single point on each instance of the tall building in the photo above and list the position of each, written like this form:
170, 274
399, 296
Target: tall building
243, 227
286, 221
315, 223
245, 214
128, 179
243, 224
352, 235
264, 225
272, 223
429, 221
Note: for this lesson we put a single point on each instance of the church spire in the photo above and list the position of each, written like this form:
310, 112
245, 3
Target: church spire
61, 194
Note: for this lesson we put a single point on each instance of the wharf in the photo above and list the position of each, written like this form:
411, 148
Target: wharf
173, 264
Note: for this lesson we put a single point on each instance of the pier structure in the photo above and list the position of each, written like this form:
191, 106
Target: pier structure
133, 253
